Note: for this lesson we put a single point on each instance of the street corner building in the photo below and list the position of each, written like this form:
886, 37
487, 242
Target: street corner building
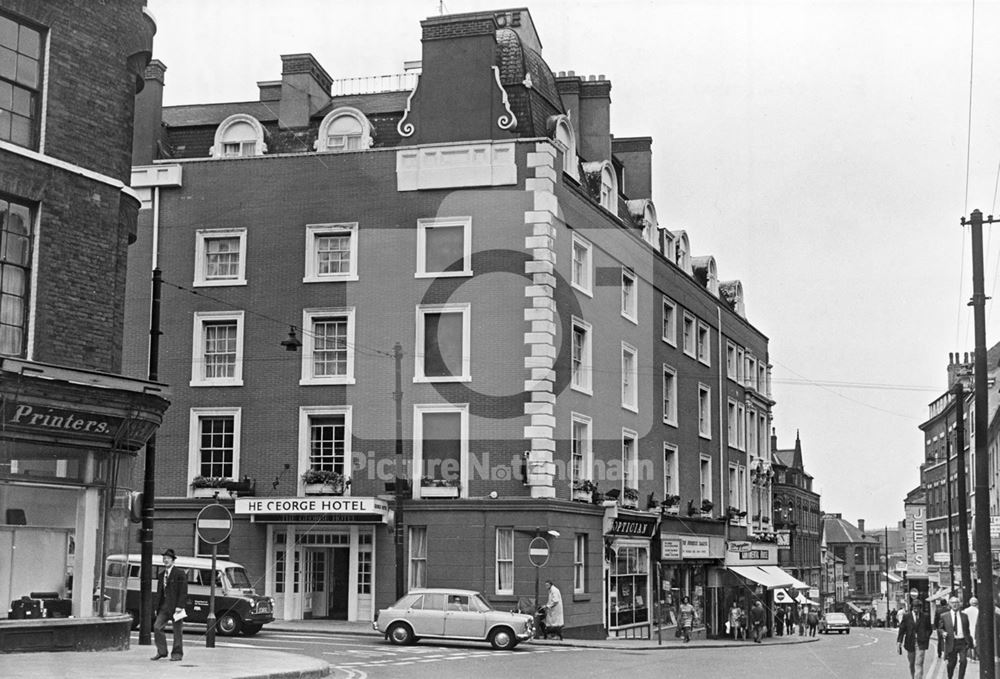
72, 423
412, 323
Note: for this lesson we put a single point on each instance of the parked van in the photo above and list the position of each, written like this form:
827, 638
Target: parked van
238, 608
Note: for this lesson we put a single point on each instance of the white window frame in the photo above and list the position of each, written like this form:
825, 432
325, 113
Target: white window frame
751, 431
505, 591
751, 372
587, 457
705, 477
732, 427
703, 343
740, 364
306, 414
259, 147
630, 463
194, 439
580, 563
741, 480
630, 378
410, 558
671, 484
419, 409
669, 321
586, 383
734, 491
443, 222
731, 369
418, 360
704, 411
309, 316
200, 265
630, 295
669, 412
585, 286
316, 231
741, 426
323, 136
201, 319
688, 322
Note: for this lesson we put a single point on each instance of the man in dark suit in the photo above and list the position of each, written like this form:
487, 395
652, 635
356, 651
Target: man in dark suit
955, 637
170, 599
915, 636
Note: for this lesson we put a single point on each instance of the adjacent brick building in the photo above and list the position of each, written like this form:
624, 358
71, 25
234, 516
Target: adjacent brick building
69, 73
477, 212
797, 515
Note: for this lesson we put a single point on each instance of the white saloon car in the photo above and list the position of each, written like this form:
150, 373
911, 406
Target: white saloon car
459, 614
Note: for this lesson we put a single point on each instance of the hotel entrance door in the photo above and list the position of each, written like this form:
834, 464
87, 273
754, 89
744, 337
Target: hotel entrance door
327, 582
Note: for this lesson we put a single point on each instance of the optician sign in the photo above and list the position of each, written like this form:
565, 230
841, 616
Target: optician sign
358, 508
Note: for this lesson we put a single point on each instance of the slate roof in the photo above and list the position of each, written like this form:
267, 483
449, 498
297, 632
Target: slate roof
839, 531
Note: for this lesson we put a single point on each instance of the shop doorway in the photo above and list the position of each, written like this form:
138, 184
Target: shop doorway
327, 582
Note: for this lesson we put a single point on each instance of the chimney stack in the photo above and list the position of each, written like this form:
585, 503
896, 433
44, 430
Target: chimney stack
305, 90
861, 525
148, 117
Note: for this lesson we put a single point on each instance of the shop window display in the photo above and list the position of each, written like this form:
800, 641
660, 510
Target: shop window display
677, 582
629, 603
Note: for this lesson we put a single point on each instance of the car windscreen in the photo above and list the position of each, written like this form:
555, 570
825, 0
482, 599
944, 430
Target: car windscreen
478, 603
239, 578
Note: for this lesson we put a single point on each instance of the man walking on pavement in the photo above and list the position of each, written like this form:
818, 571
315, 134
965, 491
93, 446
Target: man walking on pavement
973, 613
915, 636
757, 620
953, 626
170, 600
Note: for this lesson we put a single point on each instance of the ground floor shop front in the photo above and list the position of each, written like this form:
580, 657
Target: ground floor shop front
68, 440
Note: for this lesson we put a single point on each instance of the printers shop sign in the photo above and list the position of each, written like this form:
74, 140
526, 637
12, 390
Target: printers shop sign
39, 419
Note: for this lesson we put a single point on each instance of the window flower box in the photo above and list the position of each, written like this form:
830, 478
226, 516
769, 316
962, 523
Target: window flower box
439, 487
439, 491
583, 491
324, 482
219, 493
630, 498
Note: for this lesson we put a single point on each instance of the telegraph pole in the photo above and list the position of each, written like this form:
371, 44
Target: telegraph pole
984, 555
149, 476
963, 509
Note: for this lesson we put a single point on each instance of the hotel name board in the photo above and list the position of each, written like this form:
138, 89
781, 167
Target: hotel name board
370, 507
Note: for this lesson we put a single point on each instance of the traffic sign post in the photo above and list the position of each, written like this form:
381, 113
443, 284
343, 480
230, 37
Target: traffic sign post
538, 554
214, 524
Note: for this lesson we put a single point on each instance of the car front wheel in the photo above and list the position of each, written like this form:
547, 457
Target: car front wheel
228, 625
503, 639
400, 634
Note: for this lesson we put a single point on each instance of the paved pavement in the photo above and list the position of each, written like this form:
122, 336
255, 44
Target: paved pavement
229, 662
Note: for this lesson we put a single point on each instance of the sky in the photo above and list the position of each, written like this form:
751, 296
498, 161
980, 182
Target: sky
823, 151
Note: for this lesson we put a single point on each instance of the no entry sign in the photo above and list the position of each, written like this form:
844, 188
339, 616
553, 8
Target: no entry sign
538, 552
214, 524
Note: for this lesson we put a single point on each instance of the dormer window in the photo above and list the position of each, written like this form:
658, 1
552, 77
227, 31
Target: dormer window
239, 136
603, 185
344, 129
565, 139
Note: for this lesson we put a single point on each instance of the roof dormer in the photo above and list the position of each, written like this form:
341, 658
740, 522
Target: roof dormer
561, 131
344, 129
705, 272
603, 184
239, 136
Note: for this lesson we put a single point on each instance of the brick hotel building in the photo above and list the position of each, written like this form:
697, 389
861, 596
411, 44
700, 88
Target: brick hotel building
477, 211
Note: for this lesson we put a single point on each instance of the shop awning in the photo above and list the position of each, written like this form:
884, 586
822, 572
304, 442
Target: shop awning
853, 607
938, 595
892, 578
780, 573
767, 578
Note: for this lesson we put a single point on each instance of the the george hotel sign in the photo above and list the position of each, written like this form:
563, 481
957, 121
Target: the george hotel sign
332, 508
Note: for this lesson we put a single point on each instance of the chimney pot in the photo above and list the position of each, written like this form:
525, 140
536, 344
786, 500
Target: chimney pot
861, 525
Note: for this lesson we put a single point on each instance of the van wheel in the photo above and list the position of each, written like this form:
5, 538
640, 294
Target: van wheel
228, 625
503, 639
400, 634
250, 630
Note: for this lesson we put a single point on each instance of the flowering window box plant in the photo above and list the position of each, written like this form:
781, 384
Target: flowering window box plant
630, 497
583, 491
324, 482
439, 487
210, 486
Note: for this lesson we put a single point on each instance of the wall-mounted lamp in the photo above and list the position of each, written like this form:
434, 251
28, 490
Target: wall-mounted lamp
292, 343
